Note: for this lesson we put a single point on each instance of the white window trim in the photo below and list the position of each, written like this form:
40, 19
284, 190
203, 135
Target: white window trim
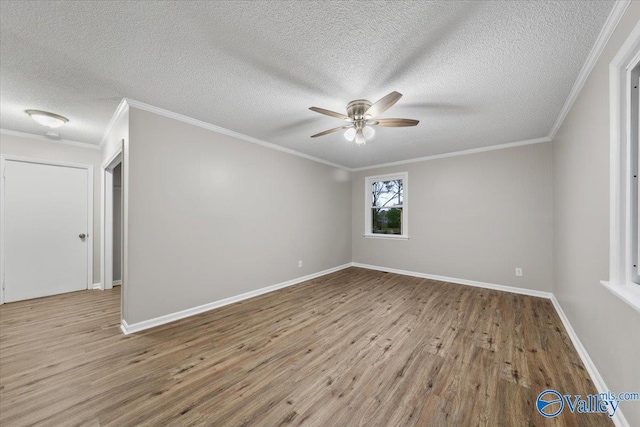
620, 281
404, 176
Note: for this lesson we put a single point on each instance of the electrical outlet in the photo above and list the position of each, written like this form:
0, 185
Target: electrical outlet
519, 272
299, 263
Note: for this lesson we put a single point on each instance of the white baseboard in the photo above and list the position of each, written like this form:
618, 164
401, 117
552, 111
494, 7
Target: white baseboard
117, 282
152, 323
124, 327
96, 286
619, 419
504, 288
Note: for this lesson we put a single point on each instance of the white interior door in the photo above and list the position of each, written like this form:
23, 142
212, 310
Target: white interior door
45, 216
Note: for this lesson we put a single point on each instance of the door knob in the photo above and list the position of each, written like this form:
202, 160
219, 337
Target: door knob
82, 235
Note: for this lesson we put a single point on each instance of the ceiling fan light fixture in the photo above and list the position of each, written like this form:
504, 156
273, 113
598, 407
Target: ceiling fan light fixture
350, 134
368, 132
362, 116
46, 118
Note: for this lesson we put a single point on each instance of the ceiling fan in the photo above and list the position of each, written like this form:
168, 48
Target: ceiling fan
361, 115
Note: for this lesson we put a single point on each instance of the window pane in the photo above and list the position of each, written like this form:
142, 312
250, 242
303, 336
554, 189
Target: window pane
386, 220
387, 193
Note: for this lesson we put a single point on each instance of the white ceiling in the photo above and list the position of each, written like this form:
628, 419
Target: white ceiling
474, 73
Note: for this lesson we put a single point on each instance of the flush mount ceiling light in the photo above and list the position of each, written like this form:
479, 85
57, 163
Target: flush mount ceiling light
361, 115
47, 119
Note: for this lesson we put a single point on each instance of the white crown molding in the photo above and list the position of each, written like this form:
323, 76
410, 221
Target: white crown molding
195, 122
169, 114
457, 153
44, 138
619, 8
161, 320
122, 107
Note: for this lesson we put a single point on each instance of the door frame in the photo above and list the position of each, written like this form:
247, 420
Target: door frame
106, 226
89, 168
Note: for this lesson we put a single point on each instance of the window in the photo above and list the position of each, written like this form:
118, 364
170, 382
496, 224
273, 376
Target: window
386, 213
624, 264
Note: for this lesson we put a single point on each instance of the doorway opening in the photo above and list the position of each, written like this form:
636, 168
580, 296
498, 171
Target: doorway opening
117, 225
111, 270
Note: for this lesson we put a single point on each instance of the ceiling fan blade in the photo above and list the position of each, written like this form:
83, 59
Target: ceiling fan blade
327, 132
331, 113
393, 123
383, 104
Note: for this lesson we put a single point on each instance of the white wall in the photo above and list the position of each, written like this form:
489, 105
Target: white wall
49, 150
607, 327
474, 217
211, 216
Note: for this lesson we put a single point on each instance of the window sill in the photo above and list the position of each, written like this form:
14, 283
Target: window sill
629, 293
386, 236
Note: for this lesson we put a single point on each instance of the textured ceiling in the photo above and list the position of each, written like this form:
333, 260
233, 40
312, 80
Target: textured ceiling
474, 73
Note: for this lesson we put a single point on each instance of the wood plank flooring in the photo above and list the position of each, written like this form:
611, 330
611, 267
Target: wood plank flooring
354, 348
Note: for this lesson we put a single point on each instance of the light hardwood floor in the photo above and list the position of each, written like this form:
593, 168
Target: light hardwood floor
356, 347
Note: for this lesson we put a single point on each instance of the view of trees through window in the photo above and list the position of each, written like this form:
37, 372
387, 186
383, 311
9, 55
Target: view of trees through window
386, 210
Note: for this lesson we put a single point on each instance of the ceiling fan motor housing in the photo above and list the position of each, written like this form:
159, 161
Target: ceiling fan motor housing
356, 110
